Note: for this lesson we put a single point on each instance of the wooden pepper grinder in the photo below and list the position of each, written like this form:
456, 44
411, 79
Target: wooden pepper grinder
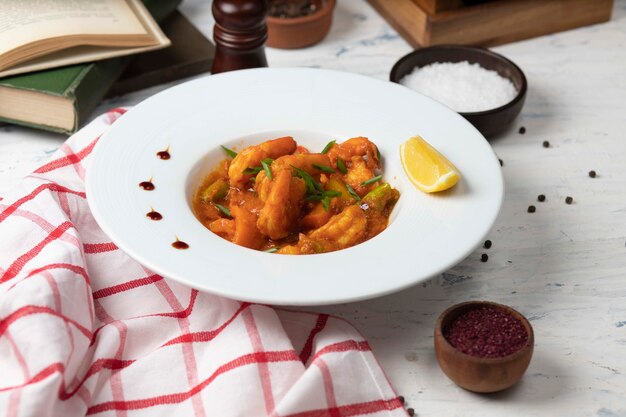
240, 33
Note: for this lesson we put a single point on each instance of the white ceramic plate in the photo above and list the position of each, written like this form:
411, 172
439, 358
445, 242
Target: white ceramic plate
427, 234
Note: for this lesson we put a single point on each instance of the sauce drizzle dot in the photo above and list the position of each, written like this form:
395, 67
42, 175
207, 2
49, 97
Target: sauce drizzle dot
164, 154
154, 215
147, 185
179, 244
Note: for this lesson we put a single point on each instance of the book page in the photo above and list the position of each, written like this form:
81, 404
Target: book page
25, 21
77, 55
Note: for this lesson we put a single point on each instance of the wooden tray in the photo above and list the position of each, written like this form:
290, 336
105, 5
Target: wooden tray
435, 22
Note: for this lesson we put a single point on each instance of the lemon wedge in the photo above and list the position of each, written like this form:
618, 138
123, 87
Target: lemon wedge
426, 168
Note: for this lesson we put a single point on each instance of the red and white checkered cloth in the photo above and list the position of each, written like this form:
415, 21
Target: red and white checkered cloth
85, 330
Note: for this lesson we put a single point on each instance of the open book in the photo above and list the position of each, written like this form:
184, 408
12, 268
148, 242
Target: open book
41, 34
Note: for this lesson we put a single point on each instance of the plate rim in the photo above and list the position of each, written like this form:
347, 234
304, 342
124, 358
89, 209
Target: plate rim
179, 277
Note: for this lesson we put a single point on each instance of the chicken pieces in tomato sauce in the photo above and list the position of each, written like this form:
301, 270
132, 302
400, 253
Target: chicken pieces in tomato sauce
279, 197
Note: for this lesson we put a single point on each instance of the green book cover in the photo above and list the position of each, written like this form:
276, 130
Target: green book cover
82, 86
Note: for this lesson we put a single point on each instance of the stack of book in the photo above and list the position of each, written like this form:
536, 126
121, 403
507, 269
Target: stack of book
59, 59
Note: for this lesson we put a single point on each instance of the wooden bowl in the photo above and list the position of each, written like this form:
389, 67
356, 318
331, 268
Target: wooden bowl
488, 122
298, 32
477, 374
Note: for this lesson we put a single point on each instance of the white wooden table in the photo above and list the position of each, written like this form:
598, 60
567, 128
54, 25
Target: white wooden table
563, 266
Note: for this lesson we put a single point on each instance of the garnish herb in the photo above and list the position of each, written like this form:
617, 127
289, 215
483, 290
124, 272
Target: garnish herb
314, 197
230, 152
252, 170
271, 250
353, 193
328, 146
315, 191
326, 202
341, 166
332, 193
223, 210
324, 168
322, 195
372, 180
265, 163
312, 186
378, 153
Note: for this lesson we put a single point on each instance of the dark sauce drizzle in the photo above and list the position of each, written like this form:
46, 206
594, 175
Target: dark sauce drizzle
179, 244
147, 185
154, 215
164, 154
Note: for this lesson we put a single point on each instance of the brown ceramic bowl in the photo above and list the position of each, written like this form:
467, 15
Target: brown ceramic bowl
298, 32
476, 374
488, 122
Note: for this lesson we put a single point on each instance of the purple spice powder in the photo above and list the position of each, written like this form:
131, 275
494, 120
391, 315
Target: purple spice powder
486, 332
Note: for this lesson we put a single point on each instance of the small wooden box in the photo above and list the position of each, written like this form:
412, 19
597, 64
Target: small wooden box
435, 6
436, 22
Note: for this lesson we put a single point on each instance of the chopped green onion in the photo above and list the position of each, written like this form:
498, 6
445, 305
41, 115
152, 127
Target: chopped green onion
314, 197
223, 210
271, 250
308, 180
377, 152
252, 170
230, 152
315, 191
326, 202
353, 193
372, 180
322, 196
341, 166
324, 168
328, 146
265, 163
312, 186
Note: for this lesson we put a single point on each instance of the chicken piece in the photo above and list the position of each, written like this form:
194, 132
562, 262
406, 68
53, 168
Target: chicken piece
224, 228
282, 206
246, 233
316, 218
344, 229
304, 162
308, 246
283, 193
253, 155
359, 146
262, 185
289, 250
302, 149
359, 172
246, 200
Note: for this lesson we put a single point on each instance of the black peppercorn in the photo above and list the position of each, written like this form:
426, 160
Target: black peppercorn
484, 257
531, 209
541, 198
522, 130
569, 200
592, 174
546, 144
487, 244
410, 412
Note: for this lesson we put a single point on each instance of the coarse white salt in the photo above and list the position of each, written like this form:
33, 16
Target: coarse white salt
462, 86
